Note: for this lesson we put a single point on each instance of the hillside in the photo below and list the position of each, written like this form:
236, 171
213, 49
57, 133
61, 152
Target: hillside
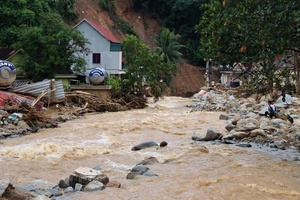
188, 77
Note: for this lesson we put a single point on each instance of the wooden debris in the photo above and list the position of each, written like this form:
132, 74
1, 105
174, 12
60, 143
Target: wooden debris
123, 102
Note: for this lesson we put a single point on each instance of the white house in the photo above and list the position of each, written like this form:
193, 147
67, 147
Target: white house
104, 50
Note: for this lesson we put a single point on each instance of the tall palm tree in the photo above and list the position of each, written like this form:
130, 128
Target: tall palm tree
168, 46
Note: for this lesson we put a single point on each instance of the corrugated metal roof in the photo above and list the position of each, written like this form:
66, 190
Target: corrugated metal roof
35, 89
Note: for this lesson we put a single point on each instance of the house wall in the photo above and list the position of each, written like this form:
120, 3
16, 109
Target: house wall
65, 81
110, 61
226, 78
101, 91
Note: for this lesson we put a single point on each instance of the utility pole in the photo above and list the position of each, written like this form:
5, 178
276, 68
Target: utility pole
207, 73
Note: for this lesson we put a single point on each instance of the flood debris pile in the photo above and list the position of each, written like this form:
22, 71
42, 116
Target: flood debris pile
246, 122
22, 123
93, 103
22, 114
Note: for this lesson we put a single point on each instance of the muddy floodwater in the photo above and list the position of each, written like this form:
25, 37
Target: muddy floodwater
200, 170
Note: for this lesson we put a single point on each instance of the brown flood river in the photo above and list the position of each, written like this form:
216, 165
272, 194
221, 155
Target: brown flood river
105, 140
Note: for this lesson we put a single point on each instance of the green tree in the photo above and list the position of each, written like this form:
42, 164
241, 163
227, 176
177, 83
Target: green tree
15, 13
168, 47
28, 13
65, 8
250, 32
49, 47
144, 67
115, 83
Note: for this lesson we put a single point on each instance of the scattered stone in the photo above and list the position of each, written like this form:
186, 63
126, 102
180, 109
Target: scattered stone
149, 161
230, 127
41, 197
56, 191
248, 124
94, 185
234, 121
236, 135
202, 149
257, 132
3, 185
141, 169
297, 136
229, 141
97, 168
69, 189
296, 158
244, 145
150, 174
273, 146
169, 160
144, 145
132, 175
39, 186
85, 175
211, 134
163, 144
223, 117
64, 183
87, 172
78, 187
114, 184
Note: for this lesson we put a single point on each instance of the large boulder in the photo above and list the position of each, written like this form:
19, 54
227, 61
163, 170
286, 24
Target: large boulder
236, 136
257, 132
248, 124
211, 134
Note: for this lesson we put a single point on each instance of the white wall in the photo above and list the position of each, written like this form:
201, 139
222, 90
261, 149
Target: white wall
111, 61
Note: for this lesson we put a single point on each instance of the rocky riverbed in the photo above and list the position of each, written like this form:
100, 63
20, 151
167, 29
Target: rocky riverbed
246, 127
246, 121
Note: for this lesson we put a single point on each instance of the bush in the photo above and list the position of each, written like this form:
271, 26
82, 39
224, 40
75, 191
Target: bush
108, 5
116, 85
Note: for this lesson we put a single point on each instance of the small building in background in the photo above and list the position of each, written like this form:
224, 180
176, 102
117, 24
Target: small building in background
231, 75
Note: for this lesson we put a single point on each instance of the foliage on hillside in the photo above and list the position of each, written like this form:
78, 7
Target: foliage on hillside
180, 16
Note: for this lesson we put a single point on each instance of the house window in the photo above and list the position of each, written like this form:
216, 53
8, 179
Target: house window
96, 58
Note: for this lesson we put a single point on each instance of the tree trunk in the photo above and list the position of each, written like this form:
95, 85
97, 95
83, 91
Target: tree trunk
297, 79
297, 73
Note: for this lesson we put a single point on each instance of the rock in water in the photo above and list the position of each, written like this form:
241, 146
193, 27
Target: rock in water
163, 144
144, 145
290, 118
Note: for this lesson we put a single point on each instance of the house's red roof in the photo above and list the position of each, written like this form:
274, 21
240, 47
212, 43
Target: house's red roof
101, 30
